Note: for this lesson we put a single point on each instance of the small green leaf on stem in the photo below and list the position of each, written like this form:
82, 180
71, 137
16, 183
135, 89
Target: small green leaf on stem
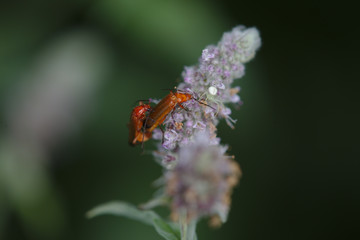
117, 208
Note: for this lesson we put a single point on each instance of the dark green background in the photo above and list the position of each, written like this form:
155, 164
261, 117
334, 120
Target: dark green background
295, 138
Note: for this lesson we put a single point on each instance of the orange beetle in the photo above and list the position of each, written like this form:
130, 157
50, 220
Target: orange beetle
159, 113
135, 125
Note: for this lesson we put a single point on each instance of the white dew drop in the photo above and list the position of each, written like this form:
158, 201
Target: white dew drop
212, 90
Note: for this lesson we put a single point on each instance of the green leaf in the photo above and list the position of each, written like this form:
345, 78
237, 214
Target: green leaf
165, 230
122, 209
117, 208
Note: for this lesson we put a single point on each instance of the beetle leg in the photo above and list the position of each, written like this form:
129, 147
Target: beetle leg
163, 133
143, 131
183, 107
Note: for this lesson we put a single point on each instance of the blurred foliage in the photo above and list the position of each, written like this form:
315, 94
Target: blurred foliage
70, 72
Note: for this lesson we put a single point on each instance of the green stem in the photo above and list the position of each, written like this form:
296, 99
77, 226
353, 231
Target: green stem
183, 225
187, 229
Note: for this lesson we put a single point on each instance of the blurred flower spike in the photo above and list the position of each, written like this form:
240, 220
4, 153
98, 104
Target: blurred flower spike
200, 175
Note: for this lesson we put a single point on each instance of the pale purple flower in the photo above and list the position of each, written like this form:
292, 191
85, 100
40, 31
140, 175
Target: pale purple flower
219, 66
202, 180
178, 117
157, 134
199, 125
170, 136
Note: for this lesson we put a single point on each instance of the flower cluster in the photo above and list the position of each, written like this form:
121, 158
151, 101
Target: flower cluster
202, 181
220, 65
210, 81
200, 176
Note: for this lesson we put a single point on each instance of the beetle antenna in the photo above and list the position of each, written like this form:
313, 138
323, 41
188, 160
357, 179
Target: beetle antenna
203, 103
169, 89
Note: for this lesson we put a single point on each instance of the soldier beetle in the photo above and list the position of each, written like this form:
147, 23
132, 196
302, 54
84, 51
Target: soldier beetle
136, 123
159, 113
142, 126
